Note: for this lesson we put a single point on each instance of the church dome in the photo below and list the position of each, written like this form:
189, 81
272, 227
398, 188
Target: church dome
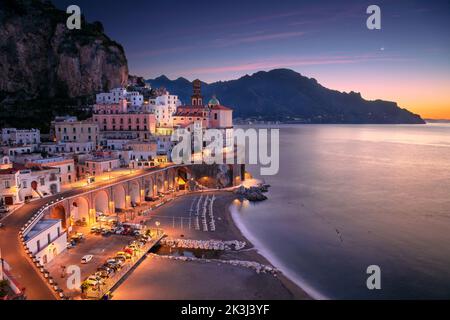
214, 101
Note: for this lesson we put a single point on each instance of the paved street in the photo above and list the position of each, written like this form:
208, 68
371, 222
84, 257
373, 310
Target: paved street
12, 251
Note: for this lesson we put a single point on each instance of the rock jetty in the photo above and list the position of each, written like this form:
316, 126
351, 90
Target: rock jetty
254, 193
218, 245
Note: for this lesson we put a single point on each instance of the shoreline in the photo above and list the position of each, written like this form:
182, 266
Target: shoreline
162, 278
286, 277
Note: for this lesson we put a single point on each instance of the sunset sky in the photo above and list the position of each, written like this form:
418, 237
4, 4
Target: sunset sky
407, 61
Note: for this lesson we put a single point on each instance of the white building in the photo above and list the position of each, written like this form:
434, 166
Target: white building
67, 148
164, 145
13, 151
142, 150
115, 95
99, 166
163, 106
77, 136
38, 182
13, 136
18, 183
46, 240
66, 167
9, 190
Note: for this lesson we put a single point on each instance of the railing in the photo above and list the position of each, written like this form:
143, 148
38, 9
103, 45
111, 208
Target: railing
35, 262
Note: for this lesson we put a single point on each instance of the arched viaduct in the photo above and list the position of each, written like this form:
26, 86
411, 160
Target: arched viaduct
117, 197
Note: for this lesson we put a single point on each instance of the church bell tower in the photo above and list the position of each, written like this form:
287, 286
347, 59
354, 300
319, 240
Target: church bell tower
196, 98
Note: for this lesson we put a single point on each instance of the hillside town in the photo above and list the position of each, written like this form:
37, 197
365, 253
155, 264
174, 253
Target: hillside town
101, 176
126, 132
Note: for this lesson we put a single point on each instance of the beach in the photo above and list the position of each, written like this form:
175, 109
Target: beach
162, 276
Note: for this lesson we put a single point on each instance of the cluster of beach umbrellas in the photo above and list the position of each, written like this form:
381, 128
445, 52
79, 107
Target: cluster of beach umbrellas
203, 207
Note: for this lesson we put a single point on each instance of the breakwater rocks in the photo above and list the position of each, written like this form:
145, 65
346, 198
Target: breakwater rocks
256, 266
218, 245
255, 193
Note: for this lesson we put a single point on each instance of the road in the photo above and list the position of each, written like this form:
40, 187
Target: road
12, 251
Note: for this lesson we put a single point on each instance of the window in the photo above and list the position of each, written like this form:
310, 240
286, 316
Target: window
7, 184
38, 245
215, 116
49, 239
24, 184
42, 181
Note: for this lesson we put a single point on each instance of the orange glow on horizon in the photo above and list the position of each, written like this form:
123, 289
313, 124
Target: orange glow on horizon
430, 99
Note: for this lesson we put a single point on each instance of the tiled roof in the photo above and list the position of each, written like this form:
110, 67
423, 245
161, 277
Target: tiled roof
220, 108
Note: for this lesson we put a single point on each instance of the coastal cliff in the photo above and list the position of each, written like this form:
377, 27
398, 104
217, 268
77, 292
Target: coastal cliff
42, 61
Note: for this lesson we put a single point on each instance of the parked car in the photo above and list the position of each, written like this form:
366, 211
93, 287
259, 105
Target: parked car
106, 232
113, 266
86, 258
105, 271
95, 280
120, 230
123, 259
70, 245
80, 235
128, 250
95, 229
74, 239
115, 263
4, 210
124, 254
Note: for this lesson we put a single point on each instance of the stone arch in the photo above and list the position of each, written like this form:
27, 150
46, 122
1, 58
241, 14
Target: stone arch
171, 179
119, 197
59, 212
148, 187
160, 182
101, 201
79, 210
182, 178
134, 191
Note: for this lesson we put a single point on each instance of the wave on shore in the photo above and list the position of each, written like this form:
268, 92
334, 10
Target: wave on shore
313, 293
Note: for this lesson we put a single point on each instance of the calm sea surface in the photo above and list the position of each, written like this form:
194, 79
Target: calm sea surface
347, 197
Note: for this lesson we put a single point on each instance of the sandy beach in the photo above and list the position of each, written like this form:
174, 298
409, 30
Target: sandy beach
160, 278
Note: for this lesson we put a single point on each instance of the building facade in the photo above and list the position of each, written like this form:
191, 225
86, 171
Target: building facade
13, 136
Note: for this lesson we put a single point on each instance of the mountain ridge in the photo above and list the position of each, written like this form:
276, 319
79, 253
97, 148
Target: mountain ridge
287, 96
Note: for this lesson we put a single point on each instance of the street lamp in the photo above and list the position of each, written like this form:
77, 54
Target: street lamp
157, 224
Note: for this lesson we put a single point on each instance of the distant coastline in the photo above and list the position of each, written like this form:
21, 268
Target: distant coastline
437, 120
